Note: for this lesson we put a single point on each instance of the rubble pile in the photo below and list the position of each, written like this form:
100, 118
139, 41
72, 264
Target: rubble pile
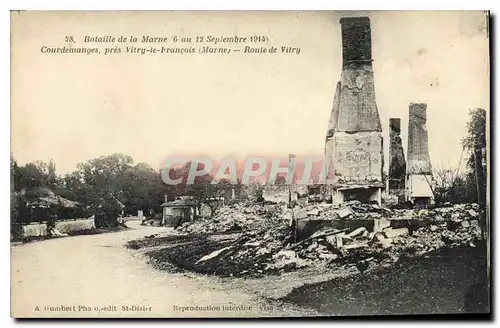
389, 243
237, 217
252, 253
457, 212
267, 242
353, 210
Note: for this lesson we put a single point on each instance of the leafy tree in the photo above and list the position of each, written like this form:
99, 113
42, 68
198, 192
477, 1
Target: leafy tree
106, 209
476, 130
33, 175
475, 143
202, 190
99, 184
449, 186
142, 189
15, 181
51, 177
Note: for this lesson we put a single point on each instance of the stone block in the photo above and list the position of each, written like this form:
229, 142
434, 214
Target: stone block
339, 239
344, 212
313, 212
380, 224
385, 242
362, 231
356, 244
392, 233
300, 214
473, 213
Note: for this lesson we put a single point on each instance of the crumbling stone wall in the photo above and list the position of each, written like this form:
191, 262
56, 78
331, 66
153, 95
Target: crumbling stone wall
69, 227
285, 192
276, 193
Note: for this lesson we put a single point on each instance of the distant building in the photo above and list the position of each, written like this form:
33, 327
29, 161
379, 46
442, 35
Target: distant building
176, 212
185, 209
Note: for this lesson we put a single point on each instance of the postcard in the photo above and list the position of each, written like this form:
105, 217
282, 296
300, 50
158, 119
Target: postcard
249, 164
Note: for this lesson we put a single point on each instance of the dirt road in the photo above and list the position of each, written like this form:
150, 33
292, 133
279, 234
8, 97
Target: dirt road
96, 276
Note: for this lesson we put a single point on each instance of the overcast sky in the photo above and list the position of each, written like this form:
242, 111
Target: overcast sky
74, 108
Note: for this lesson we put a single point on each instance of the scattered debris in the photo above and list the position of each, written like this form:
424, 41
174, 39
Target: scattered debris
264, 242
287, 260
385, 242
213, 254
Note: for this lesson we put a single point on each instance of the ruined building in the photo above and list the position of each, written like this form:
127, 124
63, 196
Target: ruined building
353, 147
397, 162
419, 169
284, 191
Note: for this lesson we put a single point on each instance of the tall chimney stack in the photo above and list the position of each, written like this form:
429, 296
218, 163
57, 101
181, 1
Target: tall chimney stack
354, 107
397, 163
419, 169
353, 146
418, 145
